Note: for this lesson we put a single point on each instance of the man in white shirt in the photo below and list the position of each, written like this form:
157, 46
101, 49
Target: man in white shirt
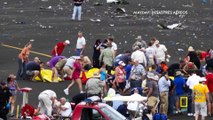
114, 47
65, 109
160, 52
46, 100
80, 45
139, 56
150, 53
192, 80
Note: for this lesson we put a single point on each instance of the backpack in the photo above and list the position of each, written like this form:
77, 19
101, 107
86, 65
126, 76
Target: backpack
159, 116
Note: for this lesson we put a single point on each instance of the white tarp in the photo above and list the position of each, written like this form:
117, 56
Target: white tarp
134, 97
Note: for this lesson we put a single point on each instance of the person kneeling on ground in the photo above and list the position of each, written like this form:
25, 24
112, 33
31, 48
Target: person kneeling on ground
34, 69
56, 65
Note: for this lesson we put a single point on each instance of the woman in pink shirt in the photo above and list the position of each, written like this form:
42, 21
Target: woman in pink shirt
75, 76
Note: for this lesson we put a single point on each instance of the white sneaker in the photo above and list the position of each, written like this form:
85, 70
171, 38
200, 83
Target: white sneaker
66, 91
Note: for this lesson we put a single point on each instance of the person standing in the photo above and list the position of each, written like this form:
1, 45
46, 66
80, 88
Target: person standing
13, 88
94, 86
81, 44
22, 60
114, 47
161, 53
179, 83
107, 57
209, 83
77, 9
164, 84
59, 47
119, 80
46, 99
153, 92
4, 100
96, 53
137, 74
192, 80
200, 95
77, 68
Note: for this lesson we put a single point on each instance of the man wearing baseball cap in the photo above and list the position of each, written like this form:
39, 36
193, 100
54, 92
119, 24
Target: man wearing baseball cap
59, 47
200, 95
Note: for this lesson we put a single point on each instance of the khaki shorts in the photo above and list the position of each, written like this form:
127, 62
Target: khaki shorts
67, 70
211, 97
152, 101
60, 64
201, 108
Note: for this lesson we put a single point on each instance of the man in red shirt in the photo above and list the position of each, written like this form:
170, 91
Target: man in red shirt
209, 83
59, 47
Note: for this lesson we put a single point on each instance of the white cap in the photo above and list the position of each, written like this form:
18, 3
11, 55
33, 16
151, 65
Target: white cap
67, 42
121, 63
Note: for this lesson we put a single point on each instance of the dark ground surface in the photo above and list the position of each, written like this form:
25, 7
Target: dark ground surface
23, 20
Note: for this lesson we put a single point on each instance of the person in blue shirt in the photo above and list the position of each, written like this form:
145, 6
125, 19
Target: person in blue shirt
180, 83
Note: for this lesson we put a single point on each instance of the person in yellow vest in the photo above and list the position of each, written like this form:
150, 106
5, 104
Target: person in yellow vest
200, 95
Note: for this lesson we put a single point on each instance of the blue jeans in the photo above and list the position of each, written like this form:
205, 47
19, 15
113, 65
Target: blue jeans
171, 103
78, 52
76, 11
21, 73
189, 109
204, 1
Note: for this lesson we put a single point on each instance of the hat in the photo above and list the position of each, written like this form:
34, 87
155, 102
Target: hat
121, 63
12, 76
3, 83
67, 42
96, 75
202, 79
138, 37
178, 73
190, 49
156, 78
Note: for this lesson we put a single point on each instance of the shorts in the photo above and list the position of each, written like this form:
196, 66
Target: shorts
67, 70
201, 108
60, 64
152, 101
211, 97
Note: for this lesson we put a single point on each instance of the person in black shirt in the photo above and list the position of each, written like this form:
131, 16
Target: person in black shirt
33, 69
96, 53
77, 9
4, 100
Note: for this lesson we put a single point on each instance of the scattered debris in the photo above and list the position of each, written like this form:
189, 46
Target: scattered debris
173, 26
120, 10
111, 25
18, 22
181, 50
95, 20
97, 4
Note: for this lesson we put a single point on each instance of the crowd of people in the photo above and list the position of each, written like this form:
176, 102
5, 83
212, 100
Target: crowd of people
143, 70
